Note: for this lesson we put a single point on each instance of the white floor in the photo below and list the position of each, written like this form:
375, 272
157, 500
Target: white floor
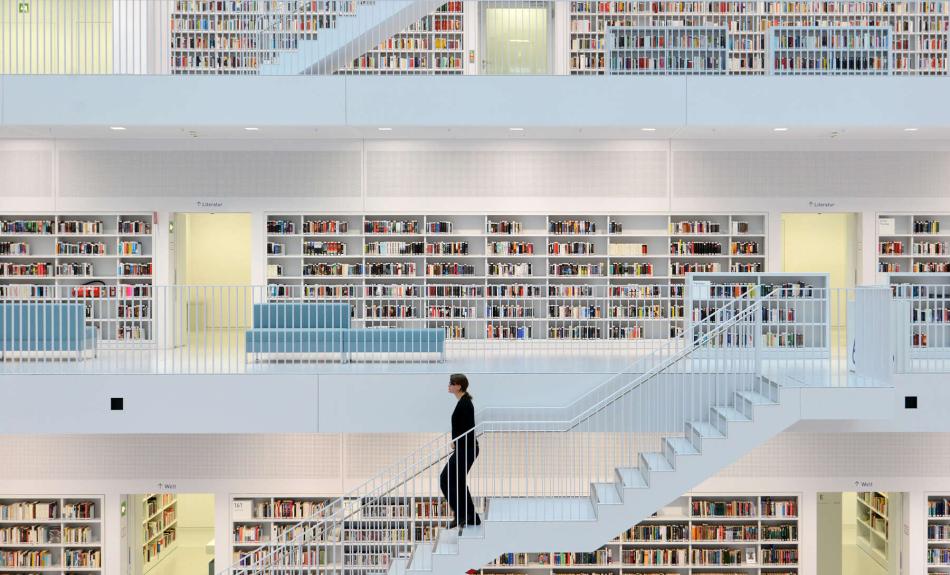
189, 556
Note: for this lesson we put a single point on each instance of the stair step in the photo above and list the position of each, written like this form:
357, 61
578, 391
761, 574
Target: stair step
422, 556
447, 543
632, 478
731, 414
656, 462
473, 532
607, 494
706, 430
755, 398
682, 446
541, 509
399, 566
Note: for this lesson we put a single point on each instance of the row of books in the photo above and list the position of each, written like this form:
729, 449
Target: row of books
81, 248
832, 39
682, 247
15, 248
77, 227
315, 248
510, 248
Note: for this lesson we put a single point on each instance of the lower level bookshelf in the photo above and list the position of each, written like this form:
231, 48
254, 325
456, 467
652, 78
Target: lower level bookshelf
751, 534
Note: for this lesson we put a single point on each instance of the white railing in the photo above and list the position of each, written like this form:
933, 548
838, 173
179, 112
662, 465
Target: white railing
539, 464
140, 328
921, 334
434, 37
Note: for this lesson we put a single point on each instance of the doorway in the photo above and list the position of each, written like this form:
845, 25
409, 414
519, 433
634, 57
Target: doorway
824, 243
212, 300
863, 533
516, 37
167, 533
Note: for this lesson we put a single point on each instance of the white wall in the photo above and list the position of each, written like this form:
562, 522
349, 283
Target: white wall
468, 176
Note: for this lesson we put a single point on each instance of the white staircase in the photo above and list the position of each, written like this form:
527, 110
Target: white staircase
731, 429
619, 453
351, 37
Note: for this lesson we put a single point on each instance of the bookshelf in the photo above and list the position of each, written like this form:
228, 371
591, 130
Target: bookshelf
776, 37
913, 243
938, 534
238, 36
52, 534
387, 528
159, 528
432, 45
813, 50
656, 50
923, 317
749, 534
104, 260
873, 525
794, 318
509, 276
760, 528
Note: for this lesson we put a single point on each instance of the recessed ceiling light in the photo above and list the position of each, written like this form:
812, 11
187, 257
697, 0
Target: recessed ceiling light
516, 129
252, 129
910, 129
647, 129
779, 129
385, 129
117, 128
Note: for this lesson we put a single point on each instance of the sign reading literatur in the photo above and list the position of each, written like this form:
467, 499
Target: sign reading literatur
821, 204
204, 204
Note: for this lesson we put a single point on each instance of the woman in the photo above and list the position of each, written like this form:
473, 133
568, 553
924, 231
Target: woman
464, 451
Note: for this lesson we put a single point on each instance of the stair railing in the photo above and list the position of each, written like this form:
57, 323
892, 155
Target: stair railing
535, 463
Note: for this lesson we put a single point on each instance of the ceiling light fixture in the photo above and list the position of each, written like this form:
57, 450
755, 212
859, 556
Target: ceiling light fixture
117, 128
910, 129
252, 129
779, 129
385, 129
647, 129
516, 129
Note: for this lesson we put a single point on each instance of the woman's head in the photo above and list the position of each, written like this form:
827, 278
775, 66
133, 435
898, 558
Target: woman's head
458, 384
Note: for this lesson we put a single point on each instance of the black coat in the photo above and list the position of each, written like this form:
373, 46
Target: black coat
463, 420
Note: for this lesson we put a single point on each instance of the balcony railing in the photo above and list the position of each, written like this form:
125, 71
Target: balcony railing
435, 37
185, 329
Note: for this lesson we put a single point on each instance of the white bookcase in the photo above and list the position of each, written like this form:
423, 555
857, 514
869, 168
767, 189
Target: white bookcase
383, 530
913, 243
652, 50
913, 34
53, 534
938, 534
505, 276
795, 315
432, 45
104, 260
159, 528
873, 525
694, 534
922, 322
816, 50
764, 533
